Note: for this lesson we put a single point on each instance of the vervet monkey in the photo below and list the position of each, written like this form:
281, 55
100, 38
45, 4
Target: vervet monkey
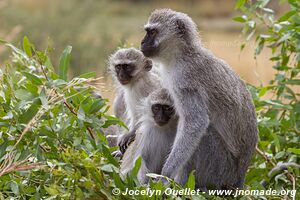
207, 94
155, 136
132, 72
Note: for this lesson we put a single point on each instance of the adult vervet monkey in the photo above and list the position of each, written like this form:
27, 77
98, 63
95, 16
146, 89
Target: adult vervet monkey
207, 94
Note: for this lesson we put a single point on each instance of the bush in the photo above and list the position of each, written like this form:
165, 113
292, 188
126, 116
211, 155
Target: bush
52, 142
277, 104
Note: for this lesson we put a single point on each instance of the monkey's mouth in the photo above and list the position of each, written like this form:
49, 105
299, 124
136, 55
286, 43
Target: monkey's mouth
124, 81
149, 51
161, 123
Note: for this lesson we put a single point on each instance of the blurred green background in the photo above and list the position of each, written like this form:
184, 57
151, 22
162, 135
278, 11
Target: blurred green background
95, 28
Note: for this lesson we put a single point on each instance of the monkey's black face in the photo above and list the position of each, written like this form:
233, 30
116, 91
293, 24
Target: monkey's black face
162, 113
148, 46
124, 73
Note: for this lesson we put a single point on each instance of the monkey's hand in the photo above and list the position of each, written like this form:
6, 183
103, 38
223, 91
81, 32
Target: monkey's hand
117, 154
167, 171
126, 140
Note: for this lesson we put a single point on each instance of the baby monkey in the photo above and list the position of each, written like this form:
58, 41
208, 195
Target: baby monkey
155, 135
135, 80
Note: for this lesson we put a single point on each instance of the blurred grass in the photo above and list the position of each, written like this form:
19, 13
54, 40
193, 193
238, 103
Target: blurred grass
95, 28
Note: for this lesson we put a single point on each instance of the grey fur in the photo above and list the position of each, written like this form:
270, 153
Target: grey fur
119, 106
152, 142
130, 95
207, 95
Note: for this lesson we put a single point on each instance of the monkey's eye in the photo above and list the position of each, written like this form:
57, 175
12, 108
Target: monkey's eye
126, 67
118, 67
155, 108
152, 32
167, 108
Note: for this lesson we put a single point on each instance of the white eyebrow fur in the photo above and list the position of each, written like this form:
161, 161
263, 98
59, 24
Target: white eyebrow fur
148, 25
124, 61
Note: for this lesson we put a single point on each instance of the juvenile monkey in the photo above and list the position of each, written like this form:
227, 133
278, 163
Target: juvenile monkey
155, 135
207, 95
135, 81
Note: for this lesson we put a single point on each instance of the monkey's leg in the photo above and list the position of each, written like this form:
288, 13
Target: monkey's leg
183, 175
216, 167
143, 179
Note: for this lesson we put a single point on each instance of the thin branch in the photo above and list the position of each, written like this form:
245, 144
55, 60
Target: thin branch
74, 112
288, 174
260, 152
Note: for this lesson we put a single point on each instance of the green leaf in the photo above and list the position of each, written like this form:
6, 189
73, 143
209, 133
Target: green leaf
96, 106
107, 168
27, 46
240, 18
263, 3
263, 91
280, 155
242, 47
33, 78
260, 46
23, 94
293, 82
136, 167
278, 105
88, 75
2, 41
108, 155
29, 114
191, 181
287, 15
294, 150
64, 63
52, 189
42, 57
48, 63
240, 3
81, 113
118, 181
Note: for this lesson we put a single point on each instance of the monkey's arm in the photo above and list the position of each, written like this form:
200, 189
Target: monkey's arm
192, 108
127, 138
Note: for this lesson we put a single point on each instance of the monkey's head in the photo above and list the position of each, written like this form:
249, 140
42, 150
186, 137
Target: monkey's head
166, 31
128, 64
161, 106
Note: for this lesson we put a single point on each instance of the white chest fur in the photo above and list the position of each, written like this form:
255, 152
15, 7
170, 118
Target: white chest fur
131, 98
166, 77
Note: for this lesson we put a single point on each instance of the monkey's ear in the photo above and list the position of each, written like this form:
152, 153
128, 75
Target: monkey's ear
180, 27
148, 65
